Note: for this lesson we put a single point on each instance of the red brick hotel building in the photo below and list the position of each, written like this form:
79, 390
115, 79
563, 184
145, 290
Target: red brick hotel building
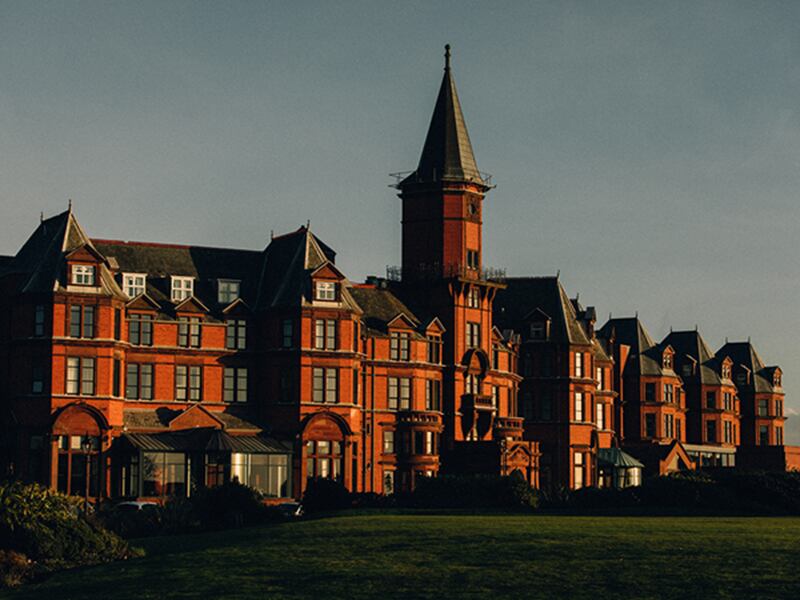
154, 369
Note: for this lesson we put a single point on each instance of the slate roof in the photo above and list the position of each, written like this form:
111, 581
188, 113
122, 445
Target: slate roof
159, 418
645, 355
447, 153
209, 440
523, 295
691, 343
744, 354
380, 307
614, 457
41, 262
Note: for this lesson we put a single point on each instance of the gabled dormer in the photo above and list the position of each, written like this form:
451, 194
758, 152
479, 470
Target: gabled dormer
775, 376
228, 290
668, 358
134, 284
237, 308
83, 268
191, 306
726, 368
181, 288
326, 283
539, 325
143, 303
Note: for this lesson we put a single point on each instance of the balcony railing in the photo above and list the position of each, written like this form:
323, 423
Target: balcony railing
428, 272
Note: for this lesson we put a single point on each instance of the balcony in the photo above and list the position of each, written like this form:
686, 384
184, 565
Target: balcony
479, 402
508, 427
435, 271
418, 418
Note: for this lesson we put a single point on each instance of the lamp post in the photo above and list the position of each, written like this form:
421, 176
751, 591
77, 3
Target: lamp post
86, 446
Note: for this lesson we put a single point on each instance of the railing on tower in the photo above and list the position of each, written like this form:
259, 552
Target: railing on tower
435, 271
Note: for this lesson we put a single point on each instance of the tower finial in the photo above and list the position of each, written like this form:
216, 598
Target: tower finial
69, 204
447, 57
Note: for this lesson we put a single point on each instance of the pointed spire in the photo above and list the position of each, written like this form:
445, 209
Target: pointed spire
447, 153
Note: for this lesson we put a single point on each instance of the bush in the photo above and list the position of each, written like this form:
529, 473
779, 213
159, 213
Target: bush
474, 491
15, 568
229, 505
325, 494
48, 528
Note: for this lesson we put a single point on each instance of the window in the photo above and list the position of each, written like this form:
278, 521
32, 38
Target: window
235, 384
678, 429
117, 324
388, 441
546, 405
687, 370
325, 334
81, 321
669, 426
650, 425
324, 459
578, 406
189, 332
267, 473
669, 393
37, 380
600, 378
433, 394
495, 397
763, 435
527, 405
578, 474
667, 361
188, 383
326, 290
472, 385
711, 400
711, 431
600, 412
72, 467
227, 291
778, 408
116, 378
325, 384
474, 297
578, 364
236, 334
434, 349
649, 392
164, 474
287, 333
182, 288
779, 436
399, 346
473, 335
133, 284
83, 274
140, 330
763, 408
139, 382
727, 401
538, 330
38, 320
286, 394
728, 432
495, 357
80, 376
726, 371
399, 393
473, 259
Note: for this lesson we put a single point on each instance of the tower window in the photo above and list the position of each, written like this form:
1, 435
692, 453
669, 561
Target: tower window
473, 259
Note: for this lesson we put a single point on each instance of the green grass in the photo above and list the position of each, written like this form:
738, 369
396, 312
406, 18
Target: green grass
436, 556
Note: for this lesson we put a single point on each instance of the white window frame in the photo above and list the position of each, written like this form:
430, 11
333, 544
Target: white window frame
228, 290
83, 274
129, 284
326, 291
578, 364
579, 406
179, 287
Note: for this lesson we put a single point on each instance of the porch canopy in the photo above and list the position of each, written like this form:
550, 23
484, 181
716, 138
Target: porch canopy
206, 440
625, 469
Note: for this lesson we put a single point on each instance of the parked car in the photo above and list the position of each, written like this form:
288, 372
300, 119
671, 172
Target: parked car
135, 505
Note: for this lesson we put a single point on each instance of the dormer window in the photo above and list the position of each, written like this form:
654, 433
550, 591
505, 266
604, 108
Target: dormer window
667, 361
776, 380
741, 378
538, 330
182, 288
726, 372
83, 274
687, 370
227, 290
133, 284
326, 291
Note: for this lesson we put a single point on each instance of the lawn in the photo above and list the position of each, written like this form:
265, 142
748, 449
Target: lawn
437, 556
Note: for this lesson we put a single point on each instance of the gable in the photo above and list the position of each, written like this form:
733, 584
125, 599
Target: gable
195, 417
327, 271
401, 321
191, 305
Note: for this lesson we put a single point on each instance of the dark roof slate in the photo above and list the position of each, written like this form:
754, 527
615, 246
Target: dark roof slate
380, 307
645, 355
523, 295
744, 354
692, 344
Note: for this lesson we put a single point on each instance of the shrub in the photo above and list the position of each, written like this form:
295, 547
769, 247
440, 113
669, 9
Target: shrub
47, 527
15, 568
325, 494
474, 491
229, 505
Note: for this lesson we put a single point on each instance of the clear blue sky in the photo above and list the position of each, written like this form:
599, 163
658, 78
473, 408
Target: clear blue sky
648, 150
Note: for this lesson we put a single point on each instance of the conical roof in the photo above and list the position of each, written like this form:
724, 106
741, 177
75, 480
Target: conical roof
447, 153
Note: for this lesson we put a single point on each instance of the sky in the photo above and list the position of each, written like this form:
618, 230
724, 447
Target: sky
647, 151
